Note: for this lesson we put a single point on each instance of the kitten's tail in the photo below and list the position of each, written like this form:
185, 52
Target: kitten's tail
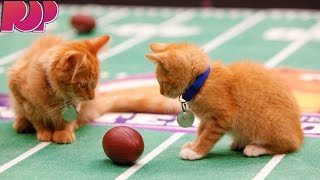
142, 100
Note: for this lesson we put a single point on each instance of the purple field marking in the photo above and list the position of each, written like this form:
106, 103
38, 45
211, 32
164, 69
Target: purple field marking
122, 120
172, 119
311, 114
4, 100
308, 128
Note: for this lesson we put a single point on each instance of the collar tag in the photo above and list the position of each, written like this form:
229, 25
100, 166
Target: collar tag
69, 113
185, 118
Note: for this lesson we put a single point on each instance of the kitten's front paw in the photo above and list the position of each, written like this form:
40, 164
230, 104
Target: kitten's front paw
77, 124
188, 154
44, 135
187, 145
254, 151
64, 137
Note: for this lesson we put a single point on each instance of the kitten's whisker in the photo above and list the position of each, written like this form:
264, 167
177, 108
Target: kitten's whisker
54, 110
74, 100
58, 108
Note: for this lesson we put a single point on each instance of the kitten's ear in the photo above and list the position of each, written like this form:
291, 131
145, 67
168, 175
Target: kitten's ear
70, 60
158, 47
157, 57
98, 42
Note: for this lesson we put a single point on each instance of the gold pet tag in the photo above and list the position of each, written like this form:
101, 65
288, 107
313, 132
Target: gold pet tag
185, 118
69, 113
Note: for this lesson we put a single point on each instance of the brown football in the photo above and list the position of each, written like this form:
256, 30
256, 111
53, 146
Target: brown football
123, 145
83, 23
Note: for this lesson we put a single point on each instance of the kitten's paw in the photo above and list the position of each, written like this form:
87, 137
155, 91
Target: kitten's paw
254, 151
77, 124
187, 145
44, 135
63, 137
188, 154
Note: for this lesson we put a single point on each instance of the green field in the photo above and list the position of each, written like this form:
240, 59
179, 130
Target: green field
276, 38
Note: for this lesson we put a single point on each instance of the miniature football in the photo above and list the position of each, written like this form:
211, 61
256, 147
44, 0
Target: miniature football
83, 23
123, 145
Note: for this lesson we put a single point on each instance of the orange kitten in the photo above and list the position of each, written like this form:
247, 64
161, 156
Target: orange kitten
242, 98
50, 81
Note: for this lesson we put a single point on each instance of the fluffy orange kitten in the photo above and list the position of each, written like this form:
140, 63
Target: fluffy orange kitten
242, 98
54, 76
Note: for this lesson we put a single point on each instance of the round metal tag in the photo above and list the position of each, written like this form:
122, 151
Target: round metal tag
185, 119
69, 113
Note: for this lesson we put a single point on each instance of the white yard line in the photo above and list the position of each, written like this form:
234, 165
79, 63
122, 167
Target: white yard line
234, 31
221, 39
9, 58
263, 173
144, 36
186, 15
102, 21
23, 156
150, 156
291, 48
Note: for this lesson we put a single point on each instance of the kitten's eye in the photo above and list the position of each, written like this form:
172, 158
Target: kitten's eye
83, 85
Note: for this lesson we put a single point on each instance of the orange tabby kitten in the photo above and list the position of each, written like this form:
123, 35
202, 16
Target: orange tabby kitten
242, 98
54, 77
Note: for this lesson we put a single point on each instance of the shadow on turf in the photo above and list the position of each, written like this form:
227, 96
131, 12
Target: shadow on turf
230, 154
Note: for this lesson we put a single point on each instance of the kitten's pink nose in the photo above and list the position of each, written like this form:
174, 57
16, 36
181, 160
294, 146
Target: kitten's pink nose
91, 95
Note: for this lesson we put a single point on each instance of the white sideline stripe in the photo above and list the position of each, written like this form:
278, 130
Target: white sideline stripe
263, 173
23, 156
9, 58
292, 47
234, 31
104, 20
150, 156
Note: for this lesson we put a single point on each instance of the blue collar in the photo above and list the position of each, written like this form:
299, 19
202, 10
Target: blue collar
195, 87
